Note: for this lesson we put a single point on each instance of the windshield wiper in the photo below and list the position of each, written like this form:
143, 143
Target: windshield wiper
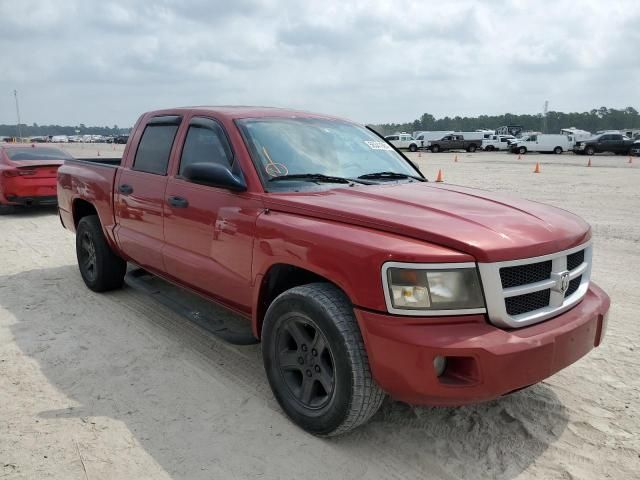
314, 177
390, 176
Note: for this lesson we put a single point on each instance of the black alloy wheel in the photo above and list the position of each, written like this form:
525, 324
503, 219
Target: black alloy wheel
87, 256
305, 362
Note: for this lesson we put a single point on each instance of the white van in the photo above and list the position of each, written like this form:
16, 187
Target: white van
545, 143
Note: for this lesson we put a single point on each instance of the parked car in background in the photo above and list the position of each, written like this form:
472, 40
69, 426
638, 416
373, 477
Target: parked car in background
497, 142
606, 142
635, 148
121, 139
403, 140
28, 175
543, 143
424, 137
359, 277
453, 142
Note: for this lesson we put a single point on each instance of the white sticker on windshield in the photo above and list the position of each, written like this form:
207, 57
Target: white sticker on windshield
373, 145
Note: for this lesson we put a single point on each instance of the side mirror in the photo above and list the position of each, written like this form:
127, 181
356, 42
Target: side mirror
214, 175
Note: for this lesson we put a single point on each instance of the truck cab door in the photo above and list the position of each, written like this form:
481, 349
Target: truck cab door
139, 194
209, 231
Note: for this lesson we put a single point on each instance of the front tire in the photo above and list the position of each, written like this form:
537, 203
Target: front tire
316, 362
522, 150
435, 148
471, 148
589, 151
413, 147
100, 267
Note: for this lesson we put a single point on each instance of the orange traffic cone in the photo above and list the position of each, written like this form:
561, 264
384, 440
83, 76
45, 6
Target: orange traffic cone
98, 153
419, 154
589, 164
630, 160
455, 159
537, 169
519, 157
440, 177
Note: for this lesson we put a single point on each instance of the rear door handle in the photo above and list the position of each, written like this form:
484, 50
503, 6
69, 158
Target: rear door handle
125, 189
178, 202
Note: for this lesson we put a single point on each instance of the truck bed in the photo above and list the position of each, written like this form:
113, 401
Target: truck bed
109, 162
90, 180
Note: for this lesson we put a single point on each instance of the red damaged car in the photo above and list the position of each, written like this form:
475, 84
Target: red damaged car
28, 175
359, 276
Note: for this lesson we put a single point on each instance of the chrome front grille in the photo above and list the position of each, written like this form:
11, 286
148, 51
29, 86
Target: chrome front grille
527, 291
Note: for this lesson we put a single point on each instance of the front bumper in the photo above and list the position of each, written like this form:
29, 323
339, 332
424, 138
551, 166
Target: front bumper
483, 361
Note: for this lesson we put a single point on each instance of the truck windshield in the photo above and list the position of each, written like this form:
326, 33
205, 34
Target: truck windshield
29, 153
299, 146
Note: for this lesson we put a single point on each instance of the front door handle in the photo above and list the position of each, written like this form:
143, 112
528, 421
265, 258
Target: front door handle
125, 189
178, 202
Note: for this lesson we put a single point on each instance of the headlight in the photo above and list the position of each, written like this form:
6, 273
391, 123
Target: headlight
432, 289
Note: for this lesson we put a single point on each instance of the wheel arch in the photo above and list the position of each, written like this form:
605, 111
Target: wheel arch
278, 278
82, 208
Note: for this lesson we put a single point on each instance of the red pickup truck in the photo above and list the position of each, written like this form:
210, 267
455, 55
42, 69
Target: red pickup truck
359, 277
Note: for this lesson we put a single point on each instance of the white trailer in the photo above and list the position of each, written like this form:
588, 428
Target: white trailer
424, 138
576, 133
544, 143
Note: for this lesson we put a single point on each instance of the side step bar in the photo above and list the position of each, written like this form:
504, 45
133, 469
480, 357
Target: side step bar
215, 319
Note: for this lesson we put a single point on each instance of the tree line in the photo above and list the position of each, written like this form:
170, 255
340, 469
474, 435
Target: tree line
602, 118
36, 130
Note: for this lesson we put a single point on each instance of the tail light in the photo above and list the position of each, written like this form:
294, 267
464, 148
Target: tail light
17, 173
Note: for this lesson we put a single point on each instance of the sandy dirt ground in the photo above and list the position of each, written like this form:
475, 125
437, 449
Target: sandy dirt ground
114, 386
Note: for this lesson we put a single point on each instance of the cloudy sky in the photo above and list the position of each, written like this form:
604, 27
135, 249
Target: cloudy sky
102, 62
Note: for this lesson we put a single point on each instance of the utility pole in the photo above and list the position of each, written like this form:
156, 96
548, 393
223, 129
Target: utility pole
544, 116
15, 94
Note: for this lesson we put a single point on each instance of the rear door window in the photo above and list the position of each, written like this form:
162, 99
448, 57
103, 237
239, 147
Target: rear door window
155, 145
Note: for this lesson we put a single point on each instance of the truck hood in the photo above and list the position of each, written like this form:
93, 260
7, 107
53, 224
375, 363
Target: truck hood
489, 226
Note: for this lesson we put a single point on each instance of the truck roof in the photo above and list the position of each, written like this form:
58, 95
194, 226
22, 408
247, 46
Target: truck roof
240, 111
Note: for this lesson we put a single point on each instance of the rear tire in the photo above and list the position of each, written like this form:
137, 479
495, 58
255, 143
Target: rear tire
100, 267
413, 147
435, 148
557, 150
7, 209
471, 148
522, 150
316, 362
589, 151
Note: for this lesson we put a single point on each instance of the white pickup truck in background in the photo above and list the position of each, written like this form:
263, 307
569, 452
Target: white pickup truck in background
497, 142
403, 140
